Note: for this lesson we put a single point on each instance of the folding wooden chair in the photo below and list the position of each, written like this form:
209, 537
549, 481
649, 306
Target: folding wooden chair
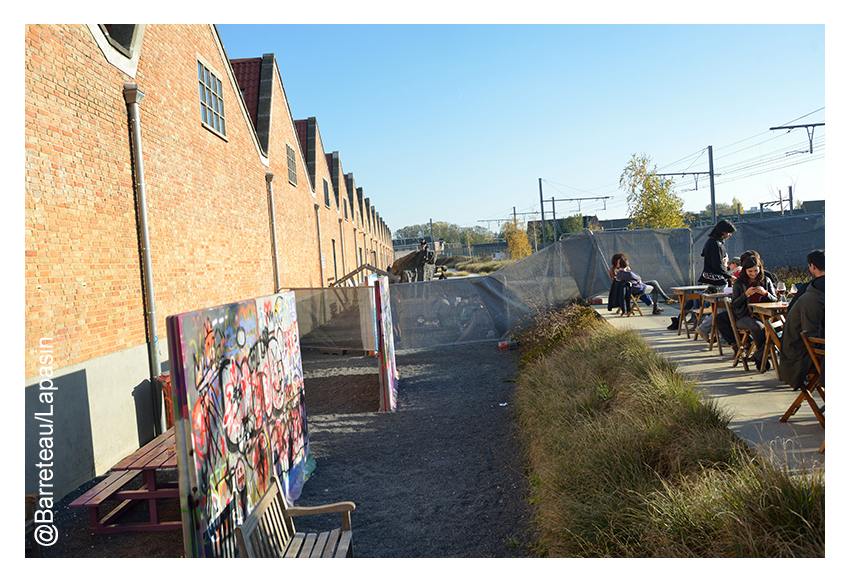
742, 351
817, 350
621, 296
635, 306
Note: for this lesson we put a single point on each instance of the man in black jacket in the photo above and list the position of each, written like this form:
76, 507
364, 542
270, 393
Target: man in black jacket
807, 312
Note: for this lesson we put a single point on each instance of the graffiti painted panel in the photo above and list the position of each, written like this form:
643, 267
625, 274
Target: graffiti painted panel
237, 394
284, 374
386, 350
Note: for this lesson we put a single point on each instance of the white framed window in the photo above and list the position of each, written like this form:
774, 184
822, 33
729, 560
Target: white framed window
291, 165
212, 100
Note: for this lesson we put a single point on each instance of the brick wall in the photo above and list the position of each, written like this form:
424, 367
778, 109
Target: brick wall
82, 279
208, 214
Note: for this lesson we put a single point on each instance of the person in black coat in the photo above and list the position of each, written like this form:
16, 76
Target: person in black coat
806, 313
715, 270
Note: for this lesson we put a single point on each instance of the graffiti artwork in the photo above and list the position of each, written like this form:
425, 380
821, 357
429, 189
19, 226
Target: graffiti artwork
386, 351
237, 388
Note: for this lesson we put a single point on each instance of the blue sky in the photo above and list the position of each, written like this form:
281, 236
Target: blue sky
457, 123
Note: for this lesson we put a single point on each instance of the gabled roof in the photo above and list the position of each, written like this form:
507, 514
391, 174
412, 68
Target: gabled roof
247, 73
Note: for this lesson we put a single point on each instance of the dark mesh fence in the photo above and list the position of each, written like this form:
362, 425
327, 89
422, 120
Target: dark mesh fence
458, 310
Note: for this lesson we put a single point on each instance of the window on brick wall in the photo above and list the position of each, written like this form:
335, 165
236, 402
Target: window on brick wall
345, 208
327, 194
212, 100
120, 36
290, 165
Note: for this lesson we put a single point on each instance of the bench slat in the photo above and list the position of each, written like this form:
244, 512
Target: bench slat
320, 545
294, 545
308, 545
332, 538
103, 490
344, 545
161, 442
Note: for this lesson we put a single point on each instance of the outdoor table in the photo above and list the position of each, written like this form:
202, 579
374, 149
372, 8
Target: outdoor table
157, 455
716, 302
770, 313
683, 294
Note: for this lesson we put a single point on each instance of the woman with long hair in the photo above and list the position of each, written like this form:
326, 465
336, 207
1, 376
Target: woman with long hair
752, 286
715, 270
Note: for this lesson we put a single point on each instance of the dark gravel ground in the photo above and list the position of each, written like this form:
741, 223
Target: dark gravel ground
439, 477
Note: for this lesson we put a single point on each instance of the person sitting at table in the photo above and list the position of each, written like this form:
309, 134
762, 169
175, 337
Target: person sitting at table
638, 287
615, 266
715, 272
752, 286
724, 326
817, 262
807, 312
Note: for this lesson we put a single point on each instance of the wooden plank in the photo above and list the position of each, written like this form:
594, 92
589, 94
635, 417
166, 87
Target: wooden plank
294, 546
320, 545
329, 548
103, 490
166, 439
344, 545
309, 541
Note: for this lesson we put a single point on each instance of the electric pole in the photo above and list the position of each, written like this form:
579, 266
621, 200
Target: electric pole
710, 173
810, 130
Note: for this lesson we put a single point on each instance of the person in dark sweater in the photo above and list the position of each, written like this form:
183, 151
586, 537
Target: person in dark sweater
807, 312
639, 287
752, 286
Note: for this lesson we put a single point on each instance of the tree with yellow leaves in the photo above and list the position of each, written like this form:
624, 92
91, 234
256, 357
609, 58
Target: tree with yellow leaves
652, 201
518, 245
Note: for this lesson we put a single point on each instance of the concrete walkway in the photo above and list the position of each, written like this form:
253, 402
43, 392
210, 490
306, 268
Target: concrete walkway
756, 401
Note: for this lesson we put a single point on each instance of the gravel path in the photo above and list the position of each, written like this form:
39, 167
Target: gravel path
439, 477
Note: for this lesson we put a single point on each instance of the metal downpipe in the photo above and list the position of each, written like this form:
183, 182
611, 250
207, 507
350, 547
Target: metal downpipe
269, 179
133, 96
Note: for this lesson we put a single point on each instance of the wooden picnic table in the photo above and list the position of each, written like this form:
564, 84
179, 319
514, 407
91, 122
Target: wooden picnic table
157, 455
683, 294
770, 313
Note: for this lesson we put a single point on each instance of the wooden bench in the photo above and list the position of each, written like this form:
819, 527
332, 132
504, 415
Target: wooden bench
106, 489
269, 533
153, 457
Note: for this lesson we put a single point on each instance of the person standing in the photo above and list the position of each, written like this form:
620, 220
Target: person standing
715, 270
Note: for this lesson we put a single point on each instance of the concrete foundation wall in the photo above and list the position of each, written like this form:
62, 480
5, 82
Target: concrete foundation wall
94, 413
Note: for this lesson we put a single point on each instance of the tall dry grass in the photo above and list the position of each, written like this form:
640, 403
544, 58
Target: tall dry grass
626, 460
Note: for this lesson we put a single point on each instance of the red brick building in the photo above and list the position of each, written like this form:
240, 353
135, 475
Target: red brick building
220, 173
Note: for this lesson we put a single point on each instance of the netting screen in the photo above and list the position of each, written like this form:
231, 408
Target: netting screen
458, 310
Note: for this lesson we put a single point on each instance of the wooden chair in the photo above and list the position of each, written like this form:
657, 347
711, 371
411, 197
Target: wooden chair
634, 306
742, 352
620, 297
269, 532
816, 348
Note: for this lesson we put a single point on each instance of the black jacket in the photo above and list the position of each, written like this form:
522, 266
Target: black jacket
713, 271
619, 296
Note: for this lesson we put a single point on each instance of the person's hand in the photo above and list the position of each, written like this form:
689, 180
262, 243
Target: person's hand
760, 290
